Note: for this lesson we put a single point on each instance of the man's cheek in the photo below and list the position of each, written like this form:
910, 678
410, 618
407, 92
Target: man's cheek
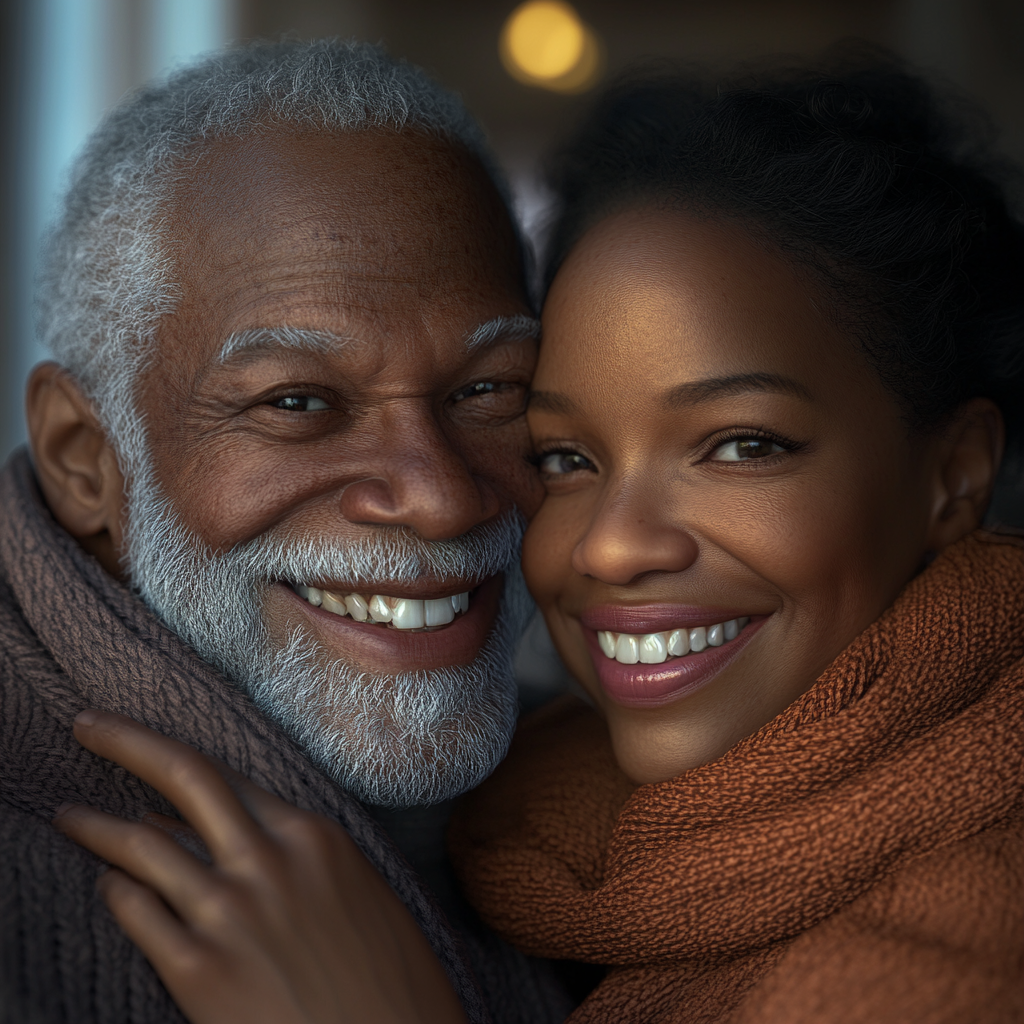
518, 482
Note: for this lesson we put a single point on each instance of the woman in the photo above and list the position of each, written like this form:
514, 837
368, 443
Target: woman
783, 349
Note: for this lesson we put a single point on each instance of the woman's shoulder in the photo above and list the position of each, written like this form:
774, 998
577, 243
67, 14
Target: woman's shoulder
941, 938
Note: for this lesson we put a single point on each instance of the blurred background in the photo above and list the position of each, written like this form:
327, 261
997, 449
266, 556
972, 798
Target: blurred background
525, 71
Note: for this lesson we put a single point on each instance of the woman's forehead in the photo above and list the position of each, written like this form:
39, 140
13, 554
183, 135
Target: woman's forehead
660, 282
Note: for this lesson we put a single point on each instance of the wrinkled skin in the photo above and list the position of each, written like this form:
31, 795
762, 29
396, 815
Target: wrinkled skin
399, 244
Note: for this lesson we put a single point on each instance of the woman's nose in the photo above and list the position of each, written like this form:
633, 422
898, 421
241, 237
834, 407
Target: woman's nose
627, 539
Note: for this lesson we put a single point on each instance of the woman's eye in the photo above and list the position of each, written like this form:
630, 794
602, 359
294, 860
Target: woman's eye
300, 403
746, 449
560, 463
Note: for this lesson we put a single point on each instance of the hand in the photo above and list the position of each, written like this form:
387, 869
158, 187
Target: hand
290, 923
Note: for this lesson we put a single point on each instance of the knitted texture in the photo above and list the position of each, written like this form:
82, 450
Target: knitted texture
859, 859
71, 637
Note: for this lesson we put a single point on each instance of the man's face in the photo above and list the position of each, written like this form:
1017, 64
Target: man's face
318, 388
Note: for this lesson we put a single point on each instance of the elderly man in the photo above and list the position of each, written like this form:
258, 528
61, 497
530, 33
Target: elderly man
276, 488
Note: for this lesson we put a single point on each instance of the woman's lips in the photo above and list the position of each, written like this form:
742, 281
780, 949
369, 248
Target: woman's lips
655, 618
642, 685
377, 648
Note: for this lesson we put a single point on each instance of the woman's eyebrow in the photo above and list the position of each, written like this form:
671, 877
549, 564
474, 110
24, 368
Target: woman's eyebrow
695, 391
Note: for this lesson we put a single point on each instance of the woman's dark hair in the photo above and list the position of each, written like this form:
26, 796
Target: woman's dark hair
855, 168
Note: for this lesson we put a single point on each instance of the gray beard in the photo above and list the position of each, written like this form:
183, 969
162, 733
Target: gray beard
396, 741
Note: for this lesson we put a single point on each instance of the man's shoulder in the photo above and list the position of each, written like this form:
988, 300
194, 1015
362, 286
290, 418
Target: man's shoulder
62, 955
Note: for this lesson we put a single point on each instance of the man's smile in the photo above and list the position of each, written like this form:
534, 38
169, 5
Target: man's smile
372, 639
396, 612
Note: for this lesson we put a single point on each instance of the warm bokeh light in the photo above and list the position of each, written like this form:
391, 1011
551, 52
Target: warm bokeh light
545, 43
544, 38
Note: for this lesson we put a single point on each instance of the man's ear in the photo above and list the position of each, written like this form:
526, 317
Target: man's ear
969, 456
75, 464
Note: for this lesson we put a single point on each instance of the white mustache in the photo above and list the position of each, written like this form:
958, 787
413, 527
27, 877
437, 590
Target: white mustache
398, 556
400, 740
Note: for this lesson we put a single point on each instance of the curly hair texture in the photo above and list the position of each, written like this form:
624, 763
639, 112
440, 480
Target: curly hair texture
886, 188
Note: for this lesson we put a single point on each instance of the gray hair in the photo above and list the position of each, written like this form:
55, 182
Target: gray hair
105, 279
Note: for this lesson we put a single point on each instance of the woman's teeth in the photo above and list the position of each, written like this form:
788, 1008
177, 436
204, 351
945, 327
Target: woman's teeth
400, 612
654, 648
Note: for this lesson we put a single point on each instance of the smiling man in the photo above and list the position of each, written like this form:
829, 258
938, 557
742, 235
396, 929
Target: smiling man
276, 487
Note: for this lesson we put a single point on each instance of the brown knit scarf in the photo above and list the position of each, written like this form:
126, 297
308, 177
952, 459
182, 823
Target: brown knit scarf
861, 858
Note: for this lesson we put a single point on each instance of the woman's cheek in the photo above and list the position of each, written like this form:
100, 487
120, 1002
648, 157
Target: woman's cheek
547, 567
546, 555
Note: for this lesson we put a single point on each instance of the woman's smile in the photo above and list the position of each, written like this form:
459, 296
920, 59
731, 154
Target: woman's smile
732, 493
645, 670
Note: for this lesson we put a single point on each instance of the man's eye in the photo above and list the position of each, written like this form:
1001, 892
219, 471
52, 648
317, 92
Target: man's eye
560, 463
746, 449
484, 387
300, 403
489, 401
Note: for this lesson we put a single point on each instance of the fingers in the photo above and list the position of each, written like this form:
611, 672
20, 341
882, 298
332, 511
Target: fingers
226, 808
145, 919
269, 810
184, 836
143, 851
189, 779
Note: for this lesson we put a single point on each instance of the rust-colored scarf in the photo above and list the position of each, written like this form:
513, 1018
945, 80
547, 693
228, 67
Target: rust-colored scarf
860, 859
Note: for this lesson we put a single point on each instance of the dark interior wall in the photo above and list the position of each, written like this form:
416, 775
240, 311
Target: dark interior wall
995, 65
456, 40
978, 43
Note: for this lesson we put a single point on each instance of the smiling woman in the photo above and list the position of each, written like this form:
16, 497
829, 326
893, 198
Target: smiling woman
783, 343
789, 492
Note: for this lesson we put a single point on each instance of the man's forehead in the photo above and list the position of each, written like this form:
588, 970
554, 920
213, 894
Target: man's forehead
287, 170
384, 202
289, 236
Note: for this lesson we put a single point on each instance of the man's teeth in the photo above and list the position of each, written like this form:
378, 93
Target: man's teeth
401, 612
654, 648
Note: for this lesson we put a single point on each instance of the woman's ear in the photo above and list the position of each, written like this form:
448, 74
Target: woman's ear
970, 452
75, 464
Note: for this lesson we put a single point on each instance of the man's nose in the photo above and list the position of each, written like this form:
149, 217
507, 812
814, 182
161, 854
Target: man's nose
422, 481
628, 538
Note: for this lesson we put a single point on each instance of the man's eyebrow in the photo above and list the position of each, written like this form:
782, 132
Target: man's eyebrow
503, 328
552, 401
695, 391
258, 339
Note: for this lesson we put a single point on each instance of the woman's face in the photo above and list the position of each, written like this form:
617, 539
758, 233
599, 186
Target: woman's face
718, 454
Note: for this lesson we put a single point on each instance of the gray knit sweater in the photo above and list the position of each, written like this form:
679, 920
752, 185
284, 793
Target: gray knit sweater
72, 637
